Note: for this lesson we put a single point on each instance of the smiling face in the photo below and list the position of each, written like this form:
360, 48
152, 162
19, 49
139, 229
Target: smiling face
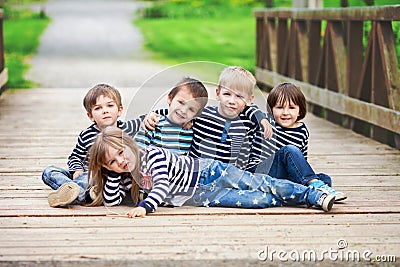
286, 114
232, 102
183, 107
105, 112
119, 160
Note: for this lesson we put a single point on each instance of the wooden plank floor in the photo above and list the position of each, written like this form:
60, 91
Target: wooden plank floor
39, 127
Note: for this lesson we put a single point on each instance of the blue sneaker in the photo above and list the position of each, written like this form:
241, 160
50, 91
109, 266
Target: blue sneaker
318, 184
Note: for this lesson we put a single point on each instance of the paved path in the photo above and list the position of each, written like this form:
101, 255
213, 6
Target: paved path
95, 41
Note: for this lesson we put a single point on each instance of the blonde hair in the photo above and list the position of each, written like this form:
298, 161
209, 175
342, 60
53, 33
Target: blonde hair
90, 99
118, 139
238, 79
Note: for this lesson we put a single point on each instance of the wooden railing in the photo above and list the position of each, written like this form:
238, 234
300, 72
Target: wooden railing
345, 81
3, 69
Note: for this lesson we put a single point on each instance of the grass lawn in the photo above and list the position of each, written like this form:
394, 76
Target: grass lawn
21, 30
228, 41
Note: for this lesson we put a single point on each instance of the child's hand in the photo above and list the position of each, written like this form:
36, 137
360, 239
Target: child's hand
137, 212
76, 174
187, 125
150, 122
268, 131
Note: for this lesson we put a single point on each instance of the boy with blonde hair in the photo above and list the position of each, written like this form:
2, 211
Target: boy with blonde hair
226, 132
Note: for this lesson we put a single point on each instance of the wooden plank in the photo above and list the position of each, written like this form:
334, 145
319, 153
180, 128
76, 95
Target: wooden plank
337, 102
353, 13
33, 234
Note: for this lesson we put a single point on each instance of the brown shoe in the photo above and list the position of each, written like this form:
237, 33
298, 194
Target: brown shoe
64, 195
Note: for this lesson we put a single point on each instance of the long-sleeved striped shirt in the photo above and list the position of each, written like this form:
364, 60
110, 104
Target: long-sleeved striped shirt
166, 135
282, 136
174, 180
229, 141
79, 157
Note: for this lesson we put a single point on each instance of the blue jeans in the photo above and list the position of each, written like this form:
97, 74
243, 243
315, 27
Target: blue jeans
224, 185
55, 177
289, 163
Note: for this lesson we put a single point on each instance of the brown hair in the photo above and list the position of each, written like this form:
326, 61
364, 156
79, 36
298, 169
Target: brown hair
118, 139
195, 87
288, 92
90, 99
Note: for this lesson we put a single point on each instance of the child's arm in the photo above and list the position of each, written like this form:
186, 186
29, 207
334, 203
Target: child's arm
76, 161
254, 114
151, 120
113, 192
160, 190
131, 127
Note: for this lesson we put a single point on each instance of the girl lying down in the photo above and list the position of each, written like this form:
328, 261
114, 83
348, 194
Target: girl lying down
117, 166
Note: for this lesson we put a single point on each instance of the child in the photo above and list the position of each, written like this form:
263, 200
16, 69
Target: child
186, 101
103, 106
175, 179
231, 132
288, 105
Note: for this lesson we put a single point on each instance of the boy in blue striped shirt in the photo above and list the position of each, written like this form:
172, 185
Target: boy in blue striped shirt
186, 101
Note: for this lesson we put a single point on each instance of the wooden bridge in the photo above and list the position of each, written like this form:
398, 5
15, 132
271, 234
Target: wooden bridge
39, 127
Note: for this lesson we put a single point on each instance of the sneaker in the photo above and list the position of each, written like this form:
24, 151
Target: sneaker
318, 184
64, 195
326, 201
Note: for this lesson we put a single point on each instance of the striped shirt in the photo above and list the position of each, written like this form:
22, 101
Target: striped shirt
79, 158
166, 135
293, 136
174, 180
229, 141
282, 136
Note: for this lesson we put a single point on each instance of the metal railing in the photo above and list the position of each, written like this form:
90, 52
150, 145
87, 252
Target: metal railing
350, 82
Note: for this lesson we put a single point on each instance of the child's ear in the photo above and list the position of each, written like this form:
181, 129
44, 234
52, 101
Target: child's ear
169, 99
120, 109
90, 116
251, 98
217, 93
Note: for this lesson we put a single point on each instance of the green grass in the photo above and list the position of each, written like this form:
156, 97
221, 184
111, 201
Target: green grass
179, 31
21, 29
229, 41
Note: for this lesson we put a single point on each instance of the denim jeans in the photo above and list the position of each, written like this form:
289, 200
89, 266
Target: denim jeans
289, 163
224, 185
55, 177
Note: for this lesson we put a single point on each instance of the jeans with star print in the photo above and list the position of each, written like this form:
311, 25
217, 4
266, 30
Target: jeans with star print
224, 185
